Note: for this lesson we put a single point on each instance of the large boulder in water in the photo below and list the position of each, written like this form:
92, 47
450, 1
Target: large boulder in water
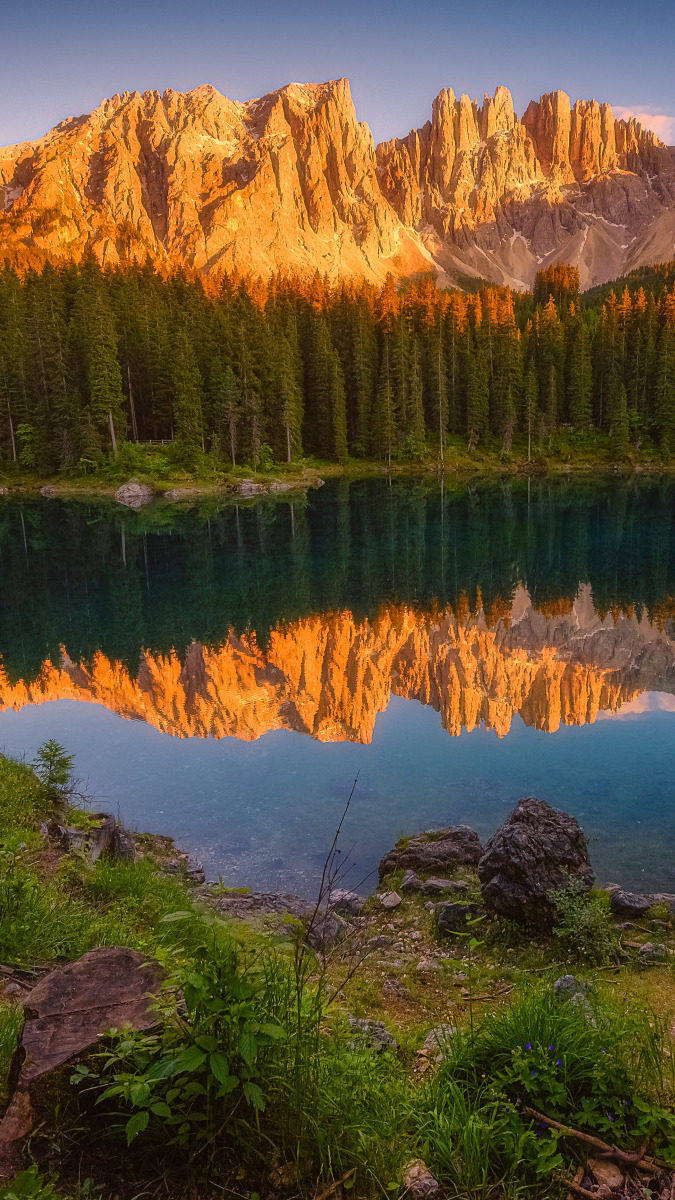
434, 851
537, 850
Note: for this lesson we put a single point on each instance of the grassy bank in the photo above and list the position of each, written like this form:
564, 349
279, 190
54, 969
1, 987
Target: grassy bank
161, 467
257, 1084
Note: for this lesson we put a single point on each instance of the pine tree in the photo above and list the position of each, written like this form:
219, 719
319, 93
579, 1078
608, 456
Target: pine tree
580, 377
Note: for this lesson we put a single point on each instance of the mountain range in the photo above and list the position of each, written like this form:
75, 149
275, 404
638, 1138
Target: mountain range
294, 183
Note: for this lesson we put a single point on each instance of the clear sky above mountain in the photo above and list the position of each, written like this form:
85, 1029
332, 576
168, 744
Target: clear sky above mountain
62, 59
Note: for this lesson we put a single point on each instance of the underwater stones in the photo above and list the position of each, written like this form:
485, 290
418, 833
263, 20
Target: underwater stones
536, 851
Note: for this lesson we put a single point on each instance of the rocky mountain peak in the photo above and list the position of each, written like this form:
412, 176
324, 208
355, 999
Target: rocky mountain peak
292, 181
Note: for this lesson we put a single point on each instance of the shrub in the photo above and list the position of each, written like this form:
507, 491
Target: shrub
584, 927
250, 1073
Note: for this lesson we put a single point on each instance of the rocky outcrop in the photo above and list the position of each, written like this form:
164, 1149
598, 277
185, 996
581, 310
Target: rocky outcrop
322, 928
65, 1015
293, 182
537, 850
435, 850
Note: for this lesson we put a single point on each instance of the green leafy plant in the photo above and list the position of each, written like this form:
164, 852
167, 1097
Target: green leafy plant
583, 926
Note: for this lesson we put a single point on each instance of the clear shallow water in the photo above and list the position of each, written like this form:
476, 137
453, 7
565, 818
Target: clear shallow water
380, 596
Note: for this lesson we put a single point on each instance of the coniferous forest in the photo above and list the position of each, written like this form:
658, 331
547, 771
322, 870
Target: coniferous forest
253, 374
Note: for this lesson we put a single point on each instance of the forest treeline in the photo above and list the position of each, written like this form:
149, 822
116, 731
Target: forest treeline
253, 373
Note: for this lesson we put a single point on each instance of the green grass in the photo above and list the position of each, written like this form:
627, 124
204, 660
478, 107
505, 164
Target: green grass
24, 802
11, 1020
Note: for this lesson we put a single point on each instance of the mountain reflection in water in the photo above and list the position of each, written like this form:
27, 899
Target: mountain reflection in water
541, 610
329, 675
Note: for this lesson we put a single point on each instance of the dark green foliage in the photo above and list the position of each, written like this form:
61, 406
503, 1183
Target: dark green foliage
584, 927
91, 358
598, 1067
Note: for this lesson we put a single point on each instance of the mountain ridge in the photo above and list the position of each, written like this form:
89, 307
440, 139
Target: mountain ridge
293, 182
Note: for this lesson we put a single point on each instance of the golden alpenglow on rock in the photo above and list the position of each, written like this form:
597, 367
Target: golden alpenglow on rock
293, 183
328, 676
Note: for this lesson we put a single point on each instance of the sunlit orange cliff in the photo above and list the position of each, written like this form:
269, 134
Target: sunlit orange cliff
329, 676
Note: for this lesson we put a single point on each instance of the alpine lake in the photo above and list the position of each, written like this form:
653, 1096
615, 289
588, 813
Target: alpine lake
224, 672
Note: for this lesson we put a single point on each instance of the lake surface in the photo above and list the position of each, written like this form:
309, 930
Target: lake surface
224, 673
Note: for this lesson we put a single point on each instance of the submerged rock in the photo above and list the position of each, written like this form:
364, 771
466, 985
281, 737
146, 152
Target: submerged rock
434, 851
536, 851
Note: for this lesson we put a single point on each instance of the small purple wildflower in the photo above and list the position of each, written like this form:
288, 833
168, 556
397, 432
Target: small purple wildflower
558, 1062
551, 1048
610, 1116
533, 1074
528, 1046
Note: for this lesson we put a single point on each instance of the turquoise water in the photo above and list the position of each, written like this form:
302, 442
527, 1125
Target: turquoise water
262, 812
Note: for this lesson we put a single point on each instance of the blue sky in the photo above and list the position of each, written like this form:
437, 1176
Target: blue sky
60, 59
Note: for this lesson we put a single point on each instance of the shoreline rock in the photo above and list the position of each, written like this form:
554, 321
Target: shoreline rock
536, 851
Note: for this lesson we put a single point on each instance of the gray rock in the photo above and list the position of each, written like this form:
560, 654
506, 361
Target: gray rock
181, 493
666, 898
134, 494
436, 1041
390, 899
395, 990
432, 886
97, 839
372, 1034
411, 882
568, 987
430, 906
537, 850
124, 844
326, 929
573, 991
195, 871
349, 904
249, 487
628, 904
418, 1181
435, 851
452, 917
653, 953
49, 491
